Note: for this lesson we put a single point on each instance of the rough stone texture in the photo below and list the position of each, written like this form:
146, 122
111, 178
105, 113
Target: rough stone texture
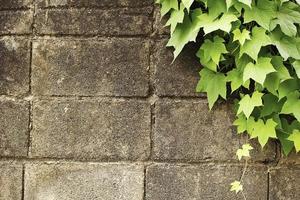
113, 67
10, 181
104, 129
84, 181
209, 182
9, 4
284, 184
87, 21
159, 22
14, 65
16, 22
94, 3
14, 120
292, 160
175, 79
187, 130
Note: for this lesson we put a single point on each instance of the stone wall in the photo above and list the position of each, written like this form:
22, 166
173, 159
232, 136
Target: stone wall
92, 108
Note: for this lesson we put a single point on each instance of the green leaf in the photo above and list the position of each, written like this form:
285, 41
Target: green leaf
167, 5
264, 131
247, 103
184, 33
258, 71
208, 82
287, 87
247, 2
287, 130
253, 46
295, 137
212, 51
236, 186
176, 17
292, 105
216, 7
241, 36
241, 123
296, 66
271, 105
244, 151
287, 46
187, 3
262, 13
286, 17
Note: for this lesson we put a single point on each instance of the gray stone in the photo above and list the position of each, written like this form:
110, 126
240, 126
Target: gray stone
10, 4
285, 184
94, 22
14, 65
105, 129
10, 181
16, 22
293, 159
203, 182
186, 130
109, 67
175, 79
159, 23
14, 130
83, 181
94, 3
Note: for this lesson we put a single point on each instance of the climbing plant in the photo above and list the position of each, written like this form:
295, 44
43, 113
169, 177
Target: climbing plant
250, 51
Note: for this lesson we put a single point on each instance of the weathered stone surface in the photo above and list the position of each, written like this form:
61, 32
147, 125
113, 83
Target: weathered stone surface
94, 22
293, 159
114, 67
94, 3
187, 130
14, 120
16, 22
159, 23
175, 79
10, 181
209, 182
83, 181
86, 129
14, 65
8, 4
285, 184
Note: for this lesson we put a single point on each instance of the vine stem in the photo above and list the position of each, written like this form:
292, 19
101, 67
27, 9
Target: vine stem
244, 170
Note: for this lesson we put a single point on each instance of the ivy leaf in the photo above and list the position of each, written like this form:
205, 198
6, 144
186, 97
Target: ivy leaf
184, 33
208, 82
167, 5
241, 123
209, 23
286, 17
262, 13
247, 103
247, 2
241, 36
296, 66
258, 71
187, 3
295, 137
264, 131
176, 17
236, 186
216, 7
271, 105
253, 46
212, 50
287, 46
244, 151
292, 105
287, 87
287, 145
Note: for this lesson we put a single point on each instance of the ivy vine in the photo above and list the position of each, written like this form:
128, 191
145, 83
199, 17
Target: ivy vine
250, 51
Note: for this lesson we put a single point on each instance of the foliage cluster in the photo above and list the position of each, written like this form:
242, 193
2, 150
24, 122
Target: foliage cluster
249, 50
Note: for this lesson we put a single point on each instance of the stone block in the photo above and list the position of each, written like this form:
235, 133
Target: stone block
285, 184
83, 181
14, 130
16, 22
186, 130
106, 129
199, 182
10, 181
14, 65
102, 67
13, 4
111, 22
